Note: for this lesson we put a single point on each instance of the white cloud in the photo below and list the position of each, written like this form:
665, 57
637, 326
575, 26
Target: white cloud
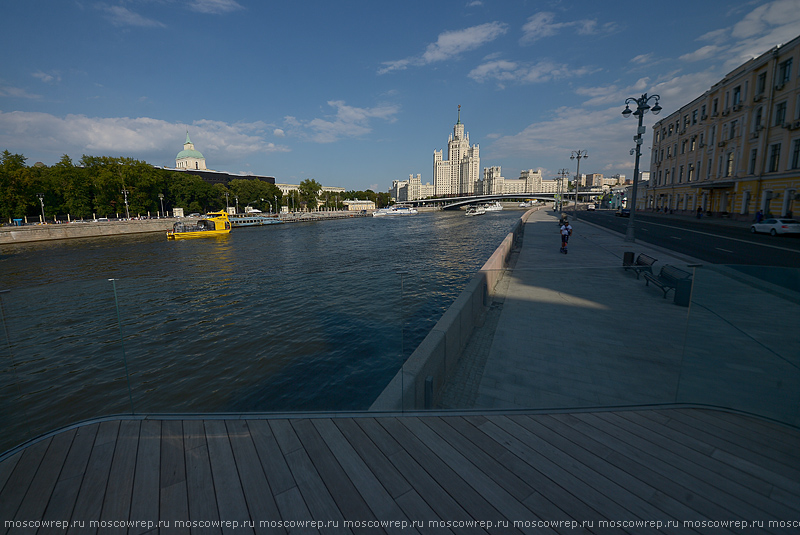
510, 71
278, 132
214, 6
141, 137
543, 24
702, 53
348, 121
48, 78
16, 92
642, 59
121, 16
449, 45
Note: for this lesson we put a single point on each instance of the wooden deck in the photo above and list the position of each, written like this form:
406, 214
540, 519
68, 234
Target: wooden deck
626, 466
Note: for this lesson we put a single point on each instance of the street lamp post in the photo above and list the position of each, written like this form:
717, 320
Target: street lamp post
577, 155
127, 213
237, 203
641, 108
41, 201
161, 198
562, 175
227, 208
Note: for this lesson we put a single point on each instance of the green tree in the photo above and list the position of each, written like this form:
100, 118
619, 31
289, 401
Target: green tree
309, 193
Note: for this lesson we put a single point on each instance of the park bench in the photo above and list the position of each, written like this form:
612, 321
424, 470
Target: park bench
642, 263
668, 278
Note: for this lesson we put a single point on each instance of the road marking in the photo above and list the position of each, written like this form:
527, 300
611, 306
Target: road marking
675, 238
726, 237
721, 249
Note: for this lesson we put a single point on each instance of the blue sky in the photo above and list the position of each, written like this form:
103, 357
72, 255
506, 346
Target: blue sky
359, 93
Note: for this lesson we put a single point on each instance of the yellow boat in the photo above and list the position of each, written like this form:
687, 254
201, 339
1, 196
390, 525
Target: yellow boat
213, 224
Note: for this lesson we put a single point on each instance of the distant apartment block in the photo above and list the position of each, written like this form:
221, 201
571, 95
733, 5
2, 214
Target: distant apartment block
735, 149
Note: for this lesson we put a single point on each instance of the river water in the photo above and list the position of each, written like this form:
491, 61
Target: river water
304, 316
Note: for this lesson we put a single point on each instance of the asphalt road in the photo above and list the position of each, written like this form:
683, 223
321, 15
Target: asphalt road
716, 244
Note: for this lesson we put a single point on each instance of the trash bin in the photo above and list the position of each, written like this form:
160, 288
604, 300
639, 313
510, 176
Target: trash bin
683, 292
627, 258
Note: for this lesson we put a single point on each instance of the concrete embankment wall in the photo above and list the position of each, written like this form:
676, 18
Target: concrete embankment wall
439, 353
63, 231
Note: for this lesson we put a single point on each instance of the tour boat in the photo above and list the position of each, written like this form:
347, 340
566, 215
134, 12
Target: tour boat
394, 210
493, 206
251, 220
213, 224
476, 210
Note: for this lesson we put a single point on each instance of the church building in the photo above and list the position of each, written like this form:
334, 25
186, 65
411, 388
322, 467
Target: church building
189, 158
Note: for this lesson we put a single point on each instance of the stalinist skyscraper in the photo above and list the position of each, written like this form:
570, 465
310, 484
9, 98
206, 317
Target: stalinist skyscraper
459, 173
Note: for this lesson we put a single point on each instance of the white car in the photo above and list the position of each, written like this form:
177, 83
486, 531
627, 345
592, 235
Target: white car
590, 207
777, 226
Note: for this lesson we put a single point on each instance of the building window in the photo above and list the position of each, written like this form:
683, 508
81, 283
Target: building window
784, 71
737, 95
669, 132
714, 107
713, 134
759, 114
702, 111
680, 175
780, 113
691, 173
774, 157
729, 165
733, 130
693, 144
753, 154
761, 83
694, 117
683, 147
708, 169
796, 154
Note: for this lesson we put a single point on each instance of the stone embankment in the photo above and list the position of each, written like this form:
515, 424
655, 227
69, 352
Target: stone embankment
64, 231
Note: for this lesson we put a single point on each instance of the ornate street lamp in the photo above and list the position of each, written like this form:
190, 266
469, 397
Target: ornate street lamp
641, 108
41, 201
127, 213
161, 198
577, 155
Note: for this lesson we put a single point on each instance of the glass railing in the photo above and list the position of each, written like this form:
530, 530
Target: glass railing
411, 340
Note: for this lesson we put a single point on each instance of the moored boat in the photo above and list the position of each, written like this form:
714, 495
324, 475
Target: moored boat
493, 206
253, 220
395, 210
213, 224
476, 210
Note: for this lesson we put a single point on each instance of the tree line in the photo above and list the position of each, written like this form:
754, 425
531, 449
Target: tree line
100, 186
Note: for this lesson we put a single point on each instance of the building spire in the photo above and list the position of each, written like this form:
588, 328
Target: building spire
459, 116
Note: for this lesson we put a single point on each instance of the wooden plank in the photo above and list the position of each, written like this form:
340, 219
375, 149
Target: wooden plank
471, 501
526, 447
749, 456
35, 501
420, 511
381, 504
21, 479
259, 496
278, 474
636, 494
285, 436
292, 507
201, 498
228, 486
117, 503
341, 489
723, 490
450, 430
778, 441
667, 478
89, 504
7, 467
550, 497
62, 501
391, 479
506, 506
144, 499
173, 496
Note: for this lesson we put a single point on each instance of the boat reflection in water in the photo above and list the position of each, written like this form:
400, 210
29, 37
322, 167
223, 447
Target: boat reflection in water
213, 224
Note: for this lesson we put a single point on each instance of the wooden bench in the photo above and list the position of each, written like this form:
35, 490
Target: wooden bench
642, 263
667, 279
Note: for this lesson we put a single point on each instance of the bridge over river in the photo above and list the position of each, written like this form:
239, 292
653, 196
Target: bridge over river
456, 202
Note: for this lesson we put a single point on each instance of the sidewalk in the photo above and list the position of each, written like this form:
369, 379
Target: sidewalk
576, 330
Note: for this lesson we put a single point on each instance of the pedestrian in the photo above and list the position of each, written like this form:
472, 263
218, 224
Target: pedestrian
759, 216
566, 232
699, 212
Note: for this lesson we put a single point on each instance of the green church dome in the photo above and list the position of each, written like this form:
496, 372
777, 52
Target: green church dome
189, 154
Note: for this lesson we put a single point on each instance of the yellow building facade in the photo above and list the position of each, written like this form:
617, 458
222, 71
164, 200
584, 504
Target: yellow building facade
734, 150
